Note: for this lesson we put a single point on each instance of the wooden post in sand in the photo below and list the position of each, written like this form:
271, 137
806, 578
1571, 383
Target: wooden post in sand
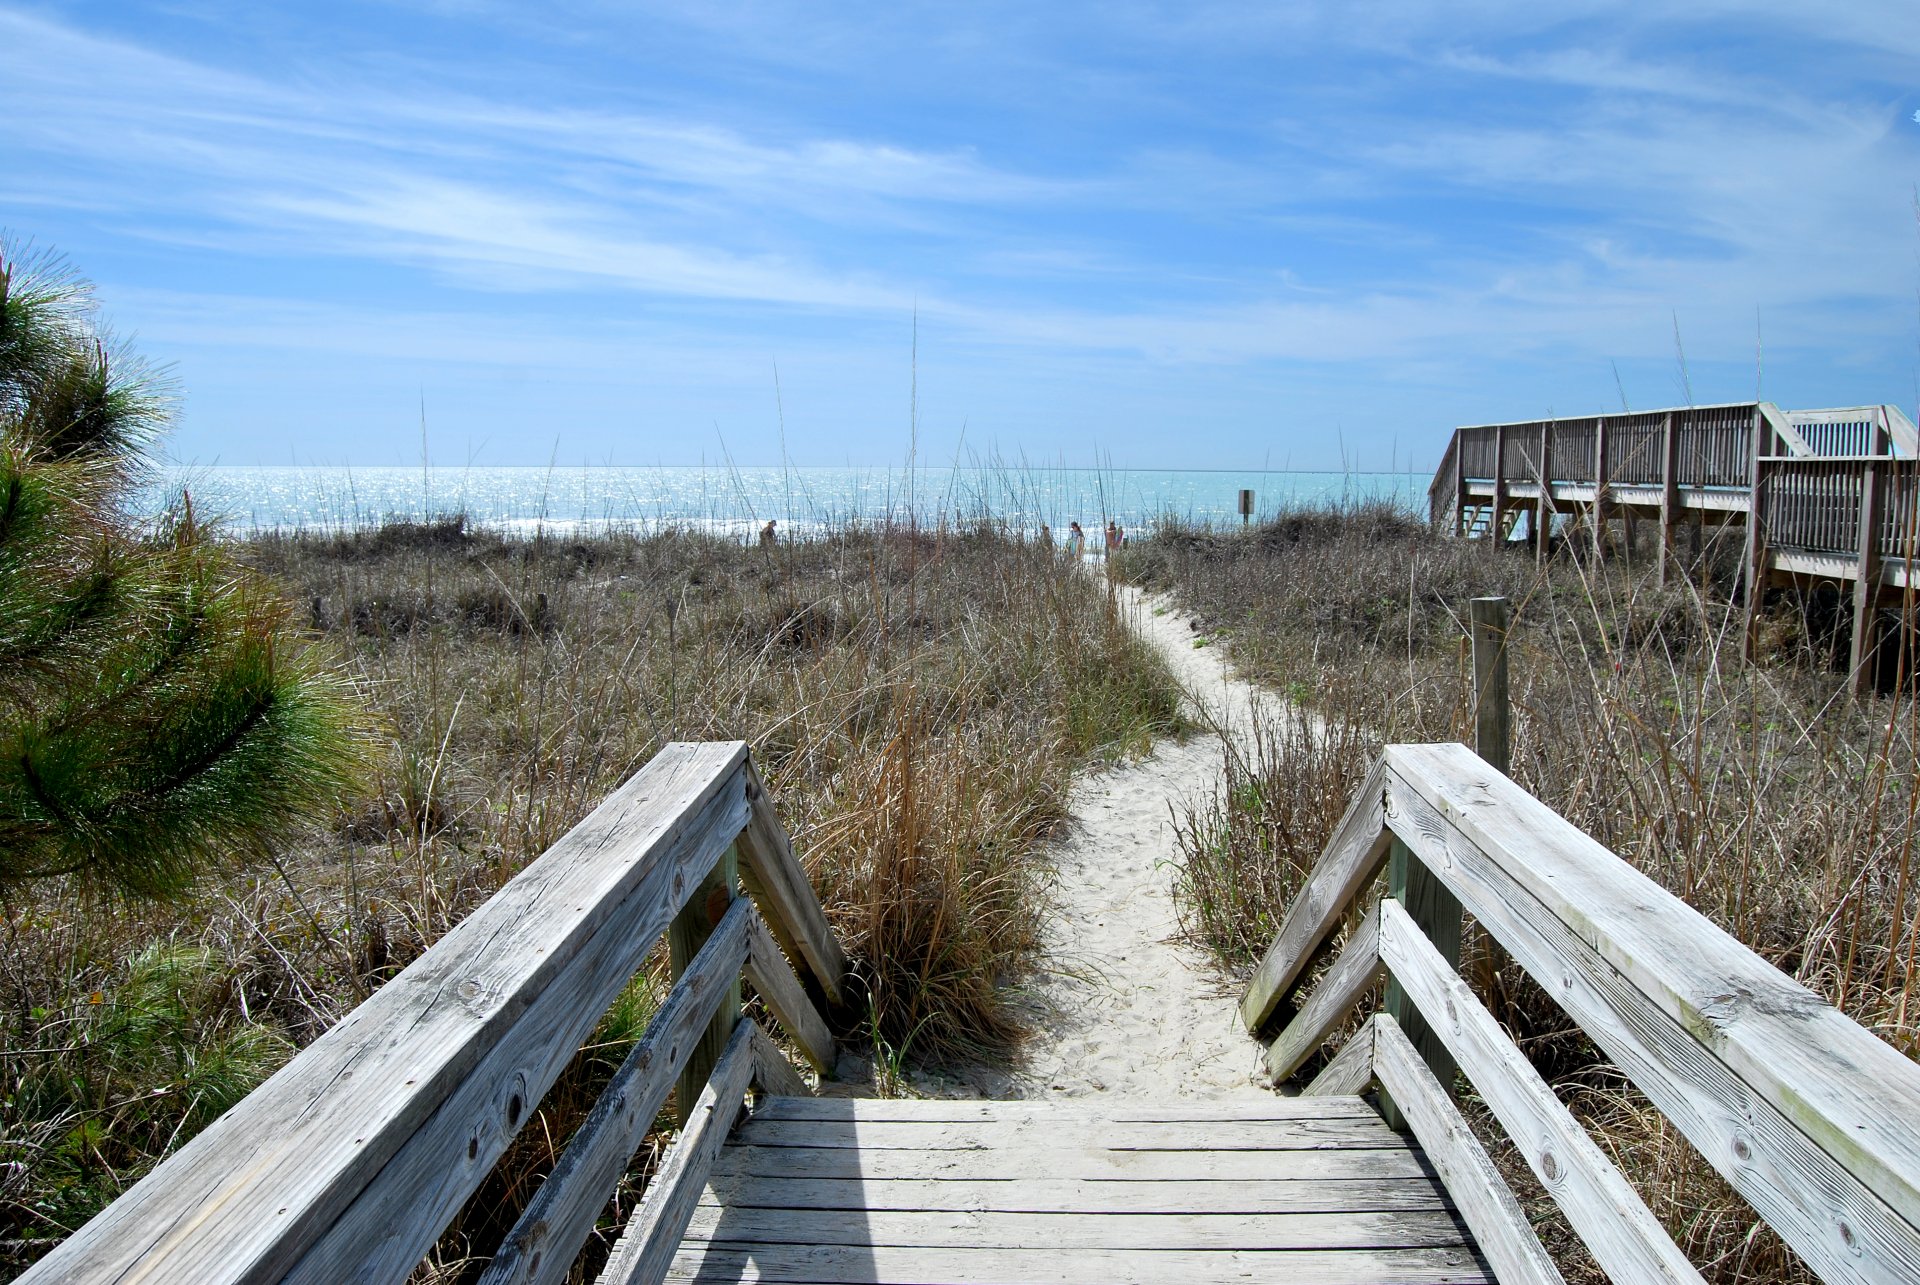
1492, 710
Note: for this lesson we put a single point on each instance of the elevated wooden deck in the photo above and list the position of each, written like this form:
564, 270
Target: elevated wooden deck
1298, 1189
1825, 495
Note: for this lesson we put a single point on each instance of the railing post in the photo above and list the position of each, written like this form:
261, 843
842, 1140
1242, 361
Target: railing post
1866, 583
1753, 570
1669, 492
688, 932
1490, 619
1599, 487
1496, 530
1437, 912
1543, 509
1492, 716
1459, 485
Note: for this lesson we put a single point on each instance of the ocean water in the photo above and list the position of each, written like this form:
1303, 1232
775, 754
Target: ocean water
522, 499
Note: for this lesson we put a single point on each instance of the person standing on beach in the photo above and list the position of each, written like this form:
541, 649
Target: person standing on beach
1076, 541
1113, 538
766, 534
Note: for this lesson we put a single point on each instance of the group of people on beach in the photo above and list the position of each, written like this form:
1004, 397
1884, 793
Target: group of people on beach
1076, 546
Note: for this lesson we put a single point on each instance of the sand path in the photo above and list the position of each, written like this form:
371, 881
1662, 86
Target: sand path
1120, 1008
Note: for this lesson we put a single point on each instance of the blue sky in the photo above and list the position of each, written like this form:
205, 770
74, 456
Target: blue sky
1156, 235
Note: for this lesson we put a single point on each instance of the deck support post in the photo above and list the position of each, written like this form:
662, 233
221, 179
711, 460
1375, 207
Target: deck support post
1459, 485
1438, 914
1497, 529
1599, 488
1866, 580
688, 932
1492, 710
1669, 493
1752, 564
1543, 507
1490, 620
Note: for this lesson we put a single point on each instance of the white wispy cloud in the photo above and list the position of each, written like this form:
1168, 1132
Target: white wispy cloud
1209, 185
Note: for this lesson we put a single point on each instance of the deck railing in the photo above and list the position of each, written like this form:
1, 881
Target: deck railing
350, 1162
1825, 495
1810, 1117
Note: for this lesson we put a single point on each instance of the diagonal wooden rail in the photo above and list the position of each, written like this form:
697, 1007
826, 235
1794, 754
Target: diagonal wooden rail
1807, 1114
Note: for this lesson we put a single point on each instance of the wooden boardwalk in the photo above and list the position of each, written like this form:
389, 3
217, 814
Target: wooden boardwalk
1825, 496
352, 1161
1298, 1189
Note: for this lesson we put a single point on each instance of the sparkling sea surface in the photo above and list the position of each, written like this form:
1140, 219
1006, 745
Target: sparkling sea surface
521, 499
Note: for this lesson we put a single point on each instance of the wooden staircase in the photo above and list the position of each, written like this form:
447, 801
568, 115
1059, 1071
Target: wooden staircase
1083, 1192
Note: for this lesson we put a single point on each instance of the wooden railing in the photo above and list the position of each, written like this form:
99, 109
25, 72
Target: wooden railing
1443, 498
349, 1163
1845, 505
1810, 1117
1694, 447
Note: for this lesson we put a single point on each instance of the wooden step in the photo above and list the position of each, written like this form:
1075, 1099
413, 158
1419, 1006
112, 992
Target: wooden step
1090, 1190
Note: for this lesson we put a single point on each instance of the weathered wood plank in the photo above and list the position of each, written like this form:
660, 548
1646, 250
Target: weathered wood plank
1070, 1232
1490, 624
1351, 1069
773, 977
548, 1235
1500, 1226
1437, 911
772, 1073
1618, 1228
1803, 1111
1343, 987
1866, 576
874, 1265
1080, 1163
356, 1153
646, 1247
1032, 1111
1087, 1196
699, 915
774, 878
1200, 1135
1351, 859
